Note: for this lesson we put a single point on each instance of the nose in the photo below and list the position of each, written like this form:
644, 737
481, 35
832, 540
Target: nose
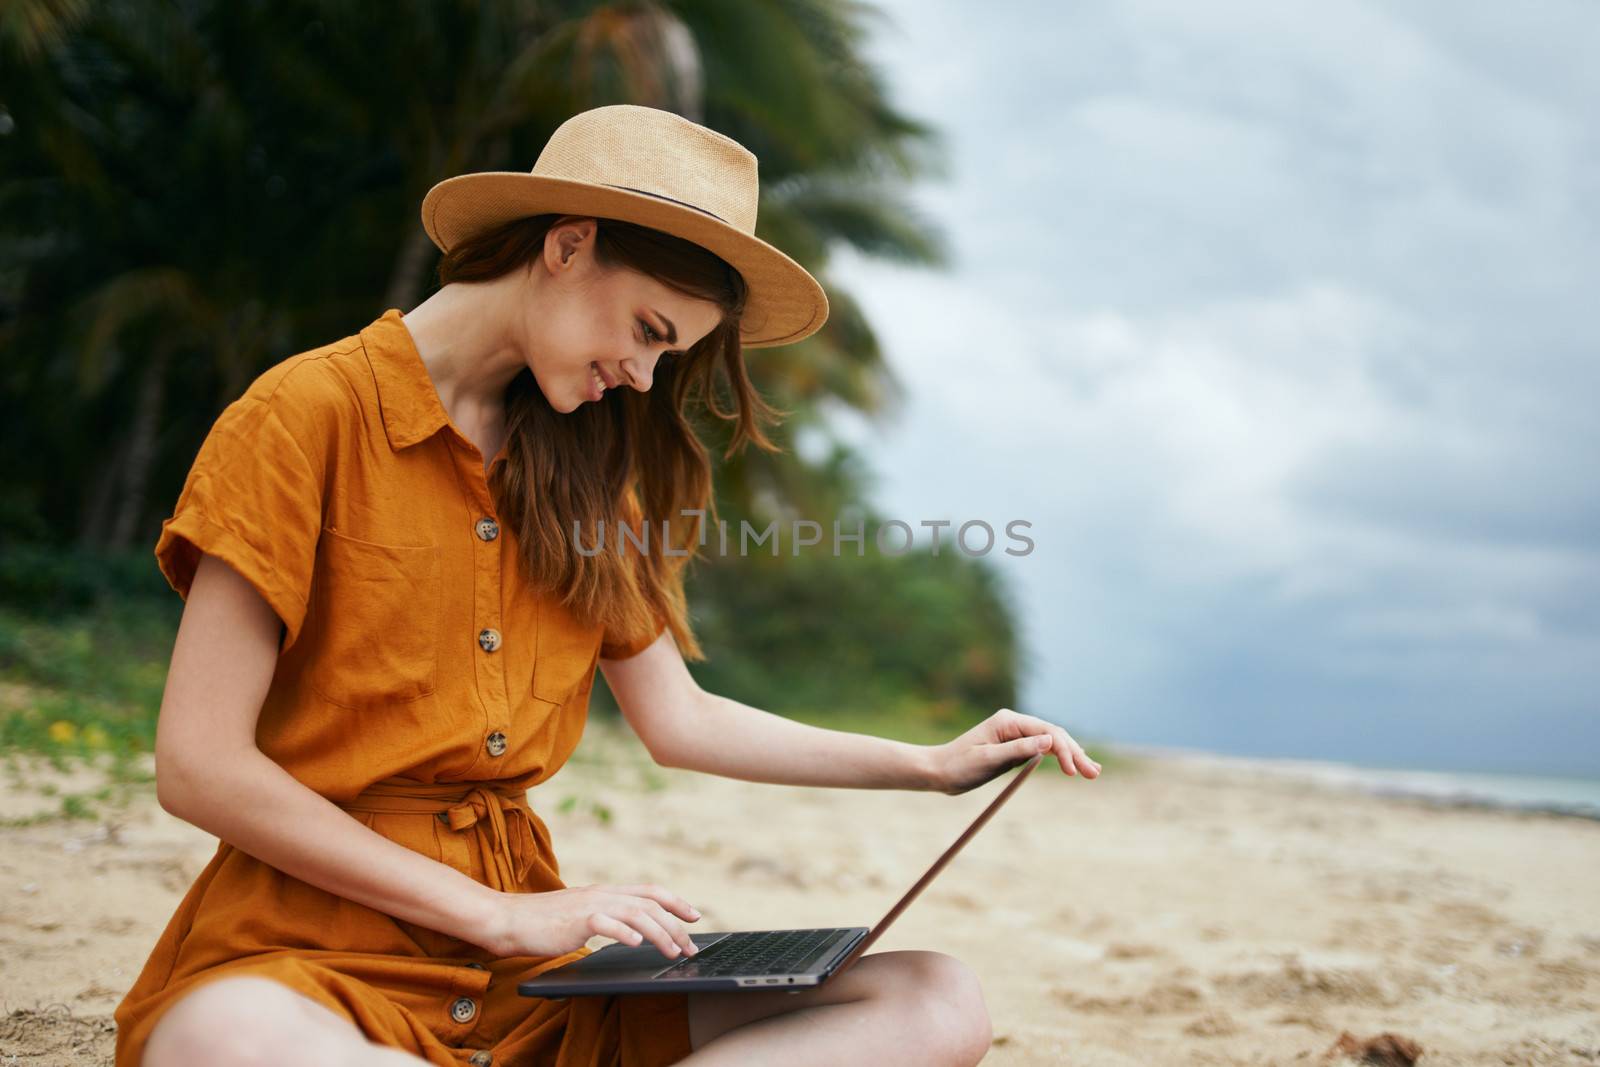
640, 380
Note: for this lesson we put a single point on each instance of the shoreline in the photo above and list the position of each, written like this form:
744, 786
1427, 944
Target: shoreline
1443, 789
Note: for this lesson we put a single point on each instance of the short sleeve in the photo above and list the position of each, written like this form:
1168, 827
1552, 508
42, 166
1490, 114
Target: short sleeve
253, 499
611, 648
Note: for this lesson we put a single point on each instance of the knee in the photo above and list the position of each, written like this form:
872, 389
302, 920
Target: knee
228, 1022
950, 1002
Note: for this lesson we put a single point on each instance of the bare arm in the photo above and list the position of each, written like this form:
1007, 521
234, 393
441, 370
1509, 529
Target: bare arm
209, 772
684, 726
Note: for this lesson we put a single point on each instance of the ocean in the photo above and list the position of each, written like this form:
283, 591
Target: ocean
1550, 794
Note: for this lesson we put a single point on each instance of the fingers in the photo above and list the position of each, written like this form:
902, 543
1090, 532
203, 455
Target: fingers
606, 926
1025, 748
643, 910
1069, 754
663, 896
632, 926
1075, 755
651, 919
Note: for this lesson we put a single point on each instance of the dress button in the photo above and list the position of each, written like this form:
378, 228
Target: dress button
489, 639
481, 1059
488, 529
463, 1010
497, 744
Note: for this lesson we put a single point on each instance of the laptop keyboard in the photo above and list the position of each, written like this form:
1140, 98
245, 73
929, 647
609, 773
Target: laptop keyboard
755, 952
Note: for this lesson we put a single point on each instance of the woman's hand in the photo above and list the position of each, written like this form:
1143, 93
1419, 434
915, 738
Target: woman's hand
1004, 740
559, 921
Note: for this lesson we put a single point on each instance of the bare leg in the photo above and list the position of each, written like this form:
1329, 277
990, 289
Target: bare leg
889, 1008
252, 1021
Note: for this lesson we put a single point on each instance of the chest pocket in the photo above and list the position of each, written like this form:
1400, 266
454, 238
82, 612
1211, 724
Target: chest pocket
373, 623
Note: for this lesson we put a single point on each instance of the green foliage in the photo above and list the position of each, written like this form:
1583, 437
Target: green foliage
191, 193
48, 580
818, 632
93, 686
914, 646
599, 809
84, 639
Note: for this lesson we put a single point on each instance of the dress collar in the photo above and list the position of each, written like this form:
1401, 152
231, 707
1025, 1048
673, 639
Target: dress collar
410, 404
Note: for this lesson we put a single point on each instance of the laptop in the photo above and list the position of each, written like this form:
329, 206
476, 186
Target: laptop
743, 959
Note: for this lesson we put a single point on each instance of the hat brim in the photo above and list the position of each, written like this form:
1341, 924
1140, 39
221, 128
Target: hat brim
786, 304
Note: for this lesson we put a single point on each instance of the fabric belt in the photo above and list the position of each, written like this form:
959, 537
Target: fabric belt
509, 847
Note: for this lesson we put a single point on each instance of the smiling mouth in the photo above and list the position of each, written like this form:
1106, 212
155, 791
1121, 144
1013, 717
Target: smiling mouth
606, 379
597, 377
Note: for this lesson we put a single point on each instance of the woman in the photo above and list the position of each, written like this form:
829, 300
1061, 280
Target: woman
387, 640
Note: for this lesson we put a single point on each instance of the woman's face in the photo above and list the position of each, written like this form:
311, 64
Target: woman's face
587, 329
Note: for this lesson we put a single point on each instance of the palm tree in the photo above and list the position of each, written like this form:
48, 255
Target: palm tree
192, 191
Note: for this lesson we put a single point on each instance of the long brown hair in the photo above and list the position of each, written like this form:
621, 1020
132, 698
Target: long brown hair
630, 457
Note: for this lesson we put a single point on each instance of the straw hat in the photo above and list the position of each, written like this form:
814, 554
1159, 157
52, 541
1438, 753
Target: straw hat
655, 168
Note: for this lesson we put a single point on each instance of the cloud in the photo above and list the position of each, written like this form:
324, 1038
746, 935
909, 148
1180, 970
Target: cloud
1278, 328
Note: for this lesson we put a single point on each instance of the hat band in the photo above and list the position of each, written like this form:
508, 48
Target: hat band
658, 196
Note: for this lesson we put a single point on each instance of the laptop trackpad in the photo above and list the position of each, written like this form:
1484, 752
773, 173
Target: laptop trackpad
620, 957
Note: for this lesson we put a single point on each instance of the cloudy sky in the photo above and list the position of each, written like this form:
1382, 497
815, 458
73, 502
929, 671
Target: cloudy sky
1277, 322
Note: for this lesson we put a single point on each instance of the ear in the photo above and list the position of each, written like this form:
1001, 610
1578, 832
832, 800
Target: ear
567, 239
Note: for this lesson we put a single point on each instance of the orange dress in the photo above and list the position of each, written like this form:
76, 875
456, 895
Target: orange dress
421, 685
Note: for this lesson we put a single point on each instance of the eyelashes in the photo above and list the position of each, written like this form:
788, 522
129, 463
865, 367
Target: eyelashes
650, 337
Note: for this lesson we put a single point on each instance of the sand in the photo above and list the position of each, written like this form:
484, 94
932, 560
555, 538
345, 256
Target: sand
1172, 912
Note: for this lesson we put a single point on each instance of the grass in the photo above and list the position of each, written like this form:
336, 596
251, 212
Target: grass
80, 691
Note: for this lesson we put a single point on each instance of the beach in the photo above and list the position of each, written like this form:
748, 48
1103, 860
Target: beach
1174, 911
